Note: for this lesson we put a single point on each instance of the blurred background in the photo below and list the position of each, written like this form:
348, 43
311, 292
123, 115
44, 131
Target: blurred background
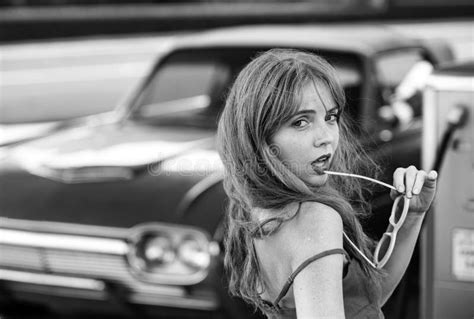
81, 74
67, 58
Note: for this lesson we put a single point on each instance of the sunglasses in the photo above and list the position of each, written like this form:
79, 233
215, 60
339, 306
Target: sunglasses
386, 244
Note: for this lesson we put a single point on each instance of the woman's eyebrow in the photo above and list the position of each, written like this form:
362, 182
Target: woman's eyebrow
334, 109
311, 111
301, 112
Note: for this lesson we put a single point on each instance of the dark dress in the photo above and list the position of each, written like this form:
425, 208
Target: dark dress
358, 302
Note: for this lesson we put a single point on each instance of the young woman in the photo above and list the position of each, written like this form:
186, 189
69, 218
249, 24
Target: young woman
294, 243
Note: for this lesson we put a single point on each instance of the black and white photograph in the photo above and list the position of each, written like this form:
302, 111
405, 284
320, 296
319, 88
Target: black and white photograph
237, 159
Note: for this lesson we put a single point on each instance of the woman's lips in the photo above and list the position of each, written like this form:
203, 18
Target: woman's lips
321, 163
318, 170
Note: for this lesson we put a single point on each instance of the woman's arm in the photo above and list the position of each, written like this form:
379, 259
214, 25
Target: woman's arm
318, 287
402, 253
420, 187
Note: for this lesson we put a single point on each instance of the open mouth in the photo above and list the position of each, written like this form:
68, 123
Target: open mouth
321, 164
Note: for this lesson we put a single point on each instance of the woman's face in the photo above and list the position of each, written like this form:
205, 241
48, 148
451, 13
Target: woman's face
306, 144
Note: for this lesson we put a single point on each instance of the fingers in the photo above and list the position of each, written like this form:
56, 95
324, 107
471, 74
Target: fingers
399, 179
432, 176
411, 180
420, 177
430, 181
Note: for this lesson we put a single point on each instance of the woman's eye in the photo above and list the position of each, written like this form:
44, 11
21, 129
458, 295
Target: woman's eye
332, 117
300, 123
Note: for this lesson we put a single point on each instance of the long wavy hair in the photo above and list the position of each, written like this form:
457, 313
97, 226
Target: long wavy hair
264, 96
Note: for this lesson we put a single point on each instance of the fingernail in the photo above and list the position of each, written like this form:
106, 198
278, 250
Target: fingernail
416, 191
400, 189
409, 194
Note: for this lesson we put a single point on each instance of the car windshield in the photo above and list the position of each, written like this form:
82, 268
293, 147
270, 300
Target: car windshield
188, 88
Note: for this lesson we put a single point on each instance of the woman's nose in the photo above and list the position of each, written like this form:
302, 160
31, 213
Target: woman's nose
322, 135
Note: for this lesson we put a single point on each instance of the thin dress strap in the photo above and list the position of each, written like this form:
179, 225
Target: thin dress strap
259, 230
308, 261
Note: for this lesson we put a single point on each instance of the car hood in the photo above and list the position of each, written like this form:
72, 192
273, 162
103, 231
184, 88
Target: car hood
17, 133
115, 174
106, 152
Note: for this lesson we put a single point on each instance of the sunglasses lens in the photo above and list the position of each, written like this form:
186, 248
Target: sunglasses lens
384, 245
398, 210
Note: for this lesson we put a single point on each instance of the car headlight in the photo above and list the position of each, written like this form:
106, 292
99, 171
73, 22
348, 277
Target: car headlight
156, 250
193, 253
168, 254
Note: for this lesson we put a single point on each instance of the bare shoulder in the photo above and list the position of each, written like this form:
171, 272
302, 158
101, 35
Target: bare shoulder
314, 214
317, 288
316, 228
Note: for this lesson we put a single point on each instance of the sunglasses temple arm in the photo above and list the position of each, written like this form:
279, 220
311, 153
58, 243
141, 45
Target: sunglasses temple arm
362, 177
358, 250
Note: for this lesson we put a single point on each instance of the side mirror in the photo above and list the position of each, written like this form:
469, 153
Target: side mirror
414, 81
401, 109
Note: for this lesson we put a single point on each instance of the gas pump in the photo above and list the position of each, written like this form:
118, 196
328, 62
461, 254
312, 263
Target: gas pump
447, 242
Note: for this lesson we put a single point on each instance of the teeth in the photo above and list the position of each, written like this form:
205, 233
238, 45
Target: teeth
322, 158
319, 164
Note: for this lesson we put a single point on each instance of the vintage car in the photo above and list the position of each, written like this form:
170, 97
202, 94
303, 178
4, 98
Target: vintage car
122, 213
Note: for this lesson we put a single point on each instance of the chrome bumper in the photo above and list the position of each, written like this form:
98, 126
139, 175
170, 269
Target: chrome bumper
93, 289
88, 262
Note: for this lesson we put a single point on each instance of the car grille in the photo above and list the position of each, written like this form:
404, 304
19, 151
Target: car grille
111, 268
86, 264
20, 257
90, 262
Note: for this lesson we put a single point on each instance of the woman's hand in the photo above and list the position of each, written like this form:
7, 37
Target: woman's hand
418, 185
